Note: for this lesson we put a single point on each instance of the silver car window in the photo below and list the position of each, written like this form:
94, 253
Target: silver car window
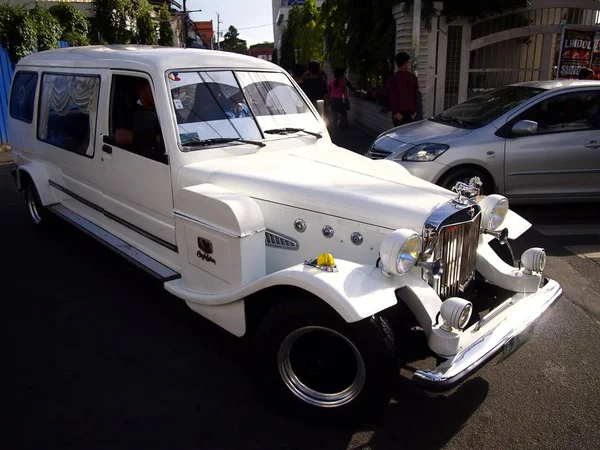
573, 111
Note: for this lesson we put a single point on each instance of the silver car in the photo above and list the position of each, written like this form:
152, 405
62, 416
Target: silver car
535, 141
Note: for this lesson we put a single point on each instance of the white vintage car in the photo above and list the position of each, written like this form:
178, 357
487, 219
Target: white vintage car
213, 172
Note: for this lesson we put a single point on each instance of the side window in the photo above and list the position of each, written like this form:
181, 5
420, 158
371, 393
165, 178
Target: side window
23, 95
133, 121
67, 112
575, 111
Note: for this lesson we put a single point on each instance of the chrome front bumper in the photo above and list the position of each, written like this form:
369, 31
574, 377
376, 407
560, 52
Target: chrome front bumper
486, 341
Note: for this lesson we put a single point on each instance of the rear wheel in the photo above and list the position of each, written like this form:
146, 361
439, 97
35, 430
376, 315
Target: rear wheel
464, 175
38, 214
323, 368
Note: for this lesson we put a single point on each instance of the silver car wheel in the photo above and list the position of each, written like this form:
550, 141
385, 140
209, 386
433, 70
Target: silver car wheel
32, 206
321, 367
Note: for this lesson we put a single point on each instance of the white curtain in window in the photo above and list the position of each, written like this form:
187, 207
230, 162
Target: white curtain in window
61, 92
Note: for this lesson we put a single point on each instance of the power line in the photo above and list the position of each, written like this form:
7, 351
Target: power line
257, 26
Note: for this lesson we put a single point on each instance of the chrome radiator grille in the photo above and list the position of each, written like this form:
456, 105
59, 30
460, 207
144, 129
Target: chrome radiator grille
456, 244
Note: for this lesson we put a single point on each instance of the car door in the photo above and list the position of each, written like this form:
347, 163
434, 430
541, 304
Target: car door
562, 158
136, 181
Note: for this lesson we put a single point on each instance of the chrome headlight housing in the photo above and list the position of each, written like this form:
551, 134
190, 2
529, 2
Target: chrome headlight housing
423, 152
456, 313
494, 209
400, 251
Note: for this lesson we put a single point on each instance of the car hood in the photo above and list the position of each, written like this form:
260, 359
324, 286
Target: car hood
422, 132
328, 180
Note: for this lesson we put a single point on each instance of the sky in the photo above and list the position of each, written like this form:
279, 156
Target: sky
253, 18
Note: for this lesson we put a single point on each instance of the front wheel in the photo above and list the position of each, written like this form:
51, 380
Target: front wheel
322, 367
464, 175
37, 212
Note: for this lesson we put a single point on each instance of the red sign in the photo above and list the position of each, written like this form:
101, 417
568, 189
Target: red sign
596, 57
576, 52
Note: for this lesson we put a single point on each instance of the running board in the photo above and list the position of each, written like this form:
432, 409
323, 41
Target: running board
119, 246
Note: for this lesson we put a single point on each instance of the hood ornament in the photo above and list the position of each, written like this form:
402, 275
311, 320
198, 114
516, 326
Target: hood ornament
467, 193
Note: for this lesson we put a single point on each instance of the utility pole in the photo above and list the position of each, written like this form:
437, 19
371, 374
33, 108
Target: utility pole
185, 24
218, 32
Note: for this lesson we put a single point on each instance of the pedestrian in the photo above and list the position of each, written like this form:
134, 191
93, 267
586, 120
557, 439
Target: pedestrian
338, 98
586, 74
403, 89
297, 73
313, 85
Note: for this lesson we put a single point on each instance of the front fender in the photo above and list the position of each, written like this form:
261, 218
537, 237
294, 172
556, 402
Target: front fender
355, 291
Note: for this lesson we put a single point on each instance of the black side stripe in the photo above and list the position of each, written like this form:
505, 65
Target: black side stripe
117, 219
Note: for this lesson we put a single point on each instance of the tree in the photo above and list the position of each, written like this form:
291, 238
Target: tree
288, 50
232, 42
309, 38
112, 21
145, 32
74, 24
47, 29
165, 32
17, 31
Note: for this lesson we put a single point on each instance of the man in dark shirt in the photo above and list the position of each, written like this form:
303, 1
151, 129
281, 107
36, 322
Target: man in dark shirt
403, 89
314, 86
144, 134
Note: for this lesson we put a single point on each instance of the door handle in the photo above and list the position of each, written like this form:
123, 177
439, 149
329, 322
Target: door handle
107, 148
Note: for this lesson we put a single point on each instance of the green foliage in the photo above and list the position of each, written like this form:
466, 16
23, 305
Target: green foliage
17, 31
75, 25
165, 33
145, 32
46, 27
111, 19
302, 38
232, 42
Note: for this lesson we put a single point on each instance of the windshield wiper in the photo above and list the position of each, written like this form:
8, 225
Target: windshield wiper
223, 140
293, 130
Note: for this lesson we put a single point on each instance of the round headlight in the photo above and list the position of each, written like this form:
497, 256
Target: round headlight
456, 312
400, 251
494, 210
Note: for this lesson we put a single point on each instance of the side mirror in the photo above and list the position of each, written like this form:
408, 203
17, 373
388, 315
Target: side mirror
525, 128
321, 107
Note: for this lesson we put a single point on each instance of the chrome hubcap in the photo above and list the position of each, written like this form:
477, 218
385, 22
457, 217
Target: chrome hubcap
33, 210
321, 367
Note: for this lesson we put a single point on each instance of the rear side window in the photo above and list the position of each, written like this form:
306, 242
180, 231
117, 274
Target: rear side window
67, 112
23, 95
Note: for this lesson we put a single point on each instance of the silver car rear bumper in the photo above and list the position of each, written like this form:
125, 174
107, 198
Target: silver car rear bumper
500, 335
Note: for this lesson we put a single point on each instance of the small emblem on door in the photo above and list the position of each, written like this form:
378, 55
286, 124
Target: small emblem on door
205, 250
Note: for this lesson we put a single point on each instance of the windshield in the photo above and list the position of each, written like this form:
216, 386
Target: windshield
212, 107
483, 109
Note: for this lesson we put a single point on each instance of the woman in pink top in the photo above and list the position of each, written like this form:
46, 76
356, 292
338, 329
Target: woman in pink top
338, 98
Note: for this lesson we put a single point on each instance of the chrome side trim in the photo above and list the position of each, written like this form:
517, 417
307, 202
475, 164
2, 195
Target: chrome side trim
278, 240
117, 219
487, 346
129, 252
215, 227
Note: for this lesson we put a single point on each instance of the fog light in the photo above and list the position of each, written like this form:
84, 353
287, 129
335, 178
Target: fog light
456, 313
533, 260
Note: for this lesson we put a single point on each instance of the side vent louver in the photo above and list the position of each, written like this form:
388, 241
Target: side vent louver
277, 240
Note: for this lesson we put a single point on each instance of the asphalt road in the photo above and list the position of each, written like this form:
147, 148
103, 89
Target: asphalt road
98, 356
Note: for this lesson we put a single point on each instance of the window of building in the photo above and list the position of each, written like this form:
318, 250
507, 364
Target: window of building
23, 95
67, 112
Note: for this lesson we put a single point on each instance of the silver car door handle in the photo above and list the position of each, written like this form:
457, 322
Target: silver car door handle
592, 145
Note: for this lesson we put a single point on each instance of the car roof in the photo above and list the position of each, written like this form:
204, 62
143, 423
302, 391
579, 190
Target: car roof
557, 84
143, 57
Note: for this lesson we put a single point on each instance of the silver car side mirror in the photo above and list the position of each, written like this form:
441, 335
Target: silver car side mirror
321, 107
525, 128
